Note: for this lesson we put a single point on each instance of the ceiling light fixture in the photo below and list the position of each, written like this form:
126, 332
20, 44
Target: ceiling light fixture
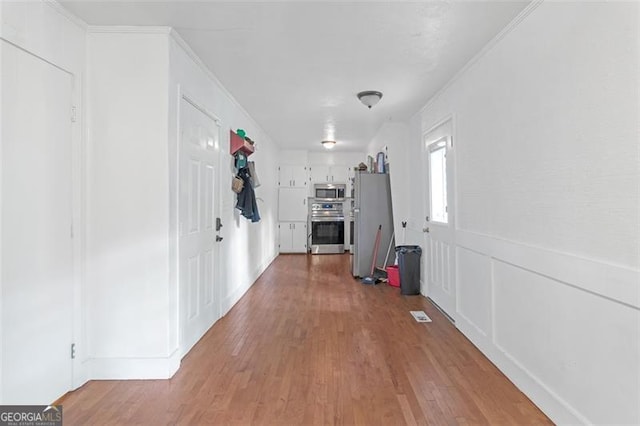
328, 144
370, 97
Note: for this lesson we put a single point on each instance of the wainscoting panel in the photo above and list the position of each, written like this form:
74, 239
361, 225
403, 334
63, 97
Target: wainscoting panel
572, 340
566, 330
474, 289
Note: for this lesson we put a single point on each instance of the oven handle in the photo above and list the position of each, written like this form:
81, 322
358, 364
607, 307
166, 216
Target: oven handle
328, 219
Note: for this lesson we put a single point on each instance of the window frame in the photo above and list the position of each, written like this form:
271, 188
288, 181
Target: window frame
432, 147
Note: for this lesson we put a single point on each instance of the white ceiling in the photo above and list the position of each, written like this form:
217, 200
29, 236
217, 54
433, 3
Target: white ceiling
296, 67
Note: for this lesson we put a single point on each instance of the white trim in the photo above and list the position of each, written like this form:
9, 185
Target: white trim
613, 282
197, 105
78, 200
127, 29
486, 49
133, 368
547, 400
85, 341
426, 150
78, 195
35, 55
66, 13
230, 301
443, 120
200, 63
191, 100
1, 210
440, 143
233, 298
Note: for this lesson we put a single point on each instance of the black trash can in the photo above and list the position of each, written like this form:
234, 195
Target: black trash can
409, 268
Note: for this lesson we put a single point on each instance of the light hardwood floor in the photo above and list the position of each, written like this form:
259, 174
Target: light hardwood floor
308, 344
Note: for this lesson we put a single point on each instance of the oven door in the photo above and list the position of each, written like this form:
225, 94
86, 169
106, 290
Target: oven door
327, 235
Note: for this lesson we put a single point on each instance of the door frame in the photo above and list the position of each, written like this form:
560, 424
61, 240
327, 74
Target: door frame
452, 216
184, 95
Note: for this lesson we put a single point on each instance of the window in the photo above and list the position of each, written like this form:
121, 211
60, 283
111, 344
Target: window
438, 180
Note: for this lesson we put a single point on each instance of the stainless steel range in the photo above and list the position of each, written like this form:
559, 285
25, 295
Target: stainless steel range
327, 227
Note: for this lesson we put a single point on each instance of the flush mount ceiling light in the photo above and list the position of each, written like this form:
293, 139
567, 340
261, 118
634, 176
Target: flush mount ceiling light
370, 97
328, 144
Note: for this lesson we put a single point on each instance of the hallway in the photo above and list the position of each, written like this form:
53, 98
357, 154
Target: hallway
310, 345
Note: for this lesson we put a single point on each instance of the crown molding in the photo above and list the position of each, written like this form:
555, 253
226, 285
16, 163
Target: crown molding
66, 13
127, 29
486, 49
200, 63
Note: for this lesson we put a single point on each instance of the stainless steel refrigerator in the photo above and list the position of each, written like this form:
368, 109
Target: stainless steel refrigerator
372, 208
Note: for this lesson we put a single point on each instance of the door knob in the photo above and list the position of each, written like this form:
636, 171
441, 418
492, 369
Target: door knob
425, 229
218, 223
218, 238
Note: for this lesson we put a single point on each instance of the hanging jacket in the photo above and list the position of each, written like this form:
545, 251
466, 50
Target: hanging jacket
254, 175
247, 197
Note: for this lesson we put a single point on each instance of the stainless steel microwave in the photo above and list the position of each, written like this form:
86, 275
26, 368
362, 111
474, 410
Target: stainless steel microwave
330, 191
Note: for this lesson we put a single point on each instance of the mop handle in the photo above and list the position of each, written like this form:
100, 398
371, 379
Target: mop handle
386, 258
375, 250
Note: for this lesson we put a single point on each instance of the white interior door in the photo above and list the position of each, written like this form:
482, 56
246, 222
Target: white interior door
440, 227
37, 257
198, 209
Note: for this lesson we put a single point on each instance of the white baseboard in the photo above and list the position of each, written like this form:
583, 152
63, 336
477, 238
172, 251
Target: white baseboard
133, 368
80, 374
230, 301
562, 288
151, 368
549, 402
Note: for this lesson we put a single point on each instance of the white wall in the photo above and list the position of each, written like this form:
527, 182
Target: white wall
393, 139
293, 156
248, 248
127, 247
547, 171
337, 158
46, 31
137, 77
125, 297
312, 158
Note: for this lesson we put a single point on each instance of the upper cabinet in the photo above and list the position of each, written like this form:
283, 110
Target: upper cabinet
319, 174
329, 174
292, 176
339, 174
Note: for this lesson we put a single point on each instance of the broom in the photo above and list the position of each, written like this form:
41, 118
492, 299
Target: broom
381, 273
371, 279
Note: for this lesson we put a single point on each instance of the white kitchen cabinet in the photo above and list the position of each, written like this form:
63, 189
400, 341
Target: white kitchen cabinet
329, 174
292, 176
319, 174
293, 237
292, 204
339, 174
